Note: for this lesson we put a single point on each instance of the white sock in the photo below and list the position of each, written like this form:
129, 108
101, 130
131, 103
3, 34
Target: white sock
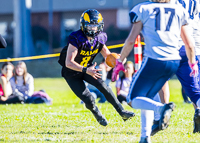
147, 104
157, 99
146, 122
198, 103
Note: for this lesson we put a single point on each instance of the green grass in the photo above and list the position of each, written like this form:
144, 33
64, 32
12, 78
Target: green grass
68, 121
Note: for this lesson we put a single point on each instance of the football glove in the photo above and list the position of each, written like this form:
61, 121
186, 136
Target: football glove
195, 68
119, 67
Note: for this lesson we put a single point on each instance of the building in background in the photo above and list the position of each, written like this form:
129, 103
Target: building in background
65, 19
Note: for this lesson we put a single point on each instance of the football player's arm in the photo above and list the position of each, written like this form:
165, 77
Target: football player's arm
105, 52
69, 62
130, 41
189, 47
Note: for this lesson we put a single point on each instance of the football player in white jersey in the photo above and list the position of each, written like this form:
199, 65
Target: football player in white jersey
190, 84
161, 24
196, 36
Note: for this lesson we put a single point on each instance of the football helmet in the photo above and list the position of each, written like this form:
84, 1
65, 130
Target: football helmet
91, 22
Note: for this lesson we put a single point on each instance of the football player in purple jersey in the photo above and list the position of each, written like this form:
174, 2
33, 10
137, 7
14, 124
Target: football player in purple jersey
76, 60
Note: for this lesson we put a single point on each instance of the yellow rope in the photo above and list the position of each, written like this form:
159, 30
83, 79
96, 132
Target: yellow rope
51, 55
30, 58
115, 46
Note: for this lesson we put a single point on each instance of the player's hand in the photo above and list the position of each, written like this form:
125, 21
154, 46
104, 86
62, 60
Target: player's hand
94, 72
119, 67
195, 68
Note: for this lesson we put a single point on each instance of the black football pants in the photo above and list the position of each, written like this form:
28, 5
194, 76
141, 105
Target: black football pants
76, 83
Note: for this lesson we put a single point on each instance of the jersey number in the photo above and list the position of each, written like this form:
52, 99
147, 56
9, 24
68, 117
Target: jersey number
158, 17
192, 5
85, 61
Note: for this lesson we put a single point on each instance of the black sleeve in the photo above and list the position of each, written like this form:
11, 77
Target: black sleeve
62, 57
3, 43
133, 16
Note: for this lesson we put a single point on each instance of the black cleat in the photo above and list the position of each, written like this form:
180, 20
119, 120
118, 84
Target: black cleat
166, 115
102, 120
126, 115
145, 140
163, 123
197, 121
99, 117
155, 127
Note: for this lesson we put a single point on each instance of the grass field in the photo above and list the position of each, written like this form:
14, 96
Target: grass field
68, 121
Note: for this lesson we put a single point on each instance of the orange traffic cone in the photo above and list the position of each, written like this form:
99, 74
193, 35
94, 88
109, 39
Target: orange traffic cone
138, 53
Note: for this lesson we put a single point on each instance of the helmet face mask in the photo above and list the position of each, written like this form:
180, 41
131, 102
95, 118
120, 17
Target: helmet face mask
91, 23
92, 29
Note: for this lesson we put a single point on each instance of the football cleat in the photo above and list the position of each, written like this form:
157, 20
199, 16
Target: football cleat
155, 128
102, 120
99, 117
145, 140
166, 115
197, 121
126, 115
163, 123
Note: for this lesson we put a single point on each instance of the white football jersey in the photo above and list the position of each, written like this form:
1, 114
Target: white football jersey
196, 31
193, 9
196, 36
161, 28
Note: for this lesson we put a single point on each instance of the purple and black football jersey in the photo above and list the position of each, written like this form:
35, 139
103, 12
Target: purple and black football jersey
86, 51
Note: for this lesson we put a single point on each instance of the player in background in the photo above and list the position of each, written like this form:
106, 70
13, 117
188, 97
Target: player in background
196, 36
189, 83
76, 59
161, 24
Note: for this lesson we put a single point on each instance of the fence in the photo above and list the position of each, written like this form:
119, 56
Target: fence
47, 65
